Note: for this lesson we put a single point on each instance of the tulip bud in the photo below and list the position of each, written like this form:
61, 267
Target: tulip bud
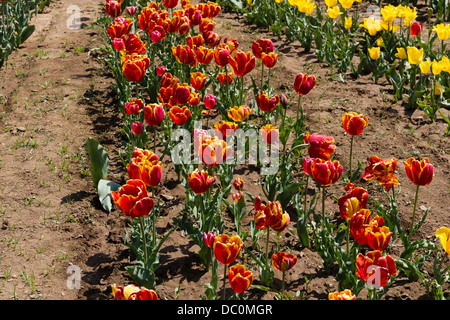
137, 127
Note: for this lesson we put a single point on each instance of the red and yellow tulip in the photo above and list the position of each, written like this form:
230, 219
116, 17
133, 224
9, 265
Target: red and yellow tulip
240, 278
133, 199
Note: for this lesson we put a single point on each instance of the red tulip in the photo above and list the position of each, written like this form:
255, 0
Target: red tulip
221, 55
133, 292
137, 127
358, 224
225, 129
240, 278
200, 181
179, 115
354, 123
347, 206
134, 106
261, 46
320, 146
185, 55
283, 261
269, 133
242, 63
377, 234
154, 114
269, 59
145, 166
374, 269
415, 29
265, 103
325, 172
304, 83
112, 8
134, 66
198, 80
226, 248
120, 27
419, 172
133, 199
238, 184
209, 237
204, 55
210, 101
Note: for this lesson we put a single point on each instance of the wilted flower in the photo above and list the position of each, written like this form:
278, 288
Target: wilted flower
383, 171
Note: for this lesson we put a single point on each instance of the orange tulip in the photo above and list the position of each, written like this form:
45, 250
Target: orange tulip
209, 9
239, 114
133, 292
374, 269
225, 78
241, 63
270, 216
200, 181
383, 171
198, 80
320, 146
325, 172
179, 115
184, 55
134, 66
170, 4
145, 166
419, 172
265, 103
269, 59
133, 199
214, 151
283, 261
354, 123
358, 224
354, 200
132, 43
195, 41
154, 114
240, 278
204, 55
343, 295
377, 234
120, 27
225, 129
269, 133
226, 248
304, 83
206, 25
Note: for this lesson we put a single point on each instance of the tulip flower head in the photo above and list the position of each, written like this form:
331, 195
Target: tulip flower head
358, 224
145, 166
325, 172
304, 83
209, 237
241, 63
154, 114
226, 248
240, 278
133, 292
179, 115
419, 172
354, 123
283, 261
134, 66
343, 295
320, 146
374, 269
444, 235
225, 129
374, 53
261, 46
238, 183
265, 103
239, 113
133, 199
200, 181
415, 29
210, 101
442, 31
354, 200
270, 216
383, 171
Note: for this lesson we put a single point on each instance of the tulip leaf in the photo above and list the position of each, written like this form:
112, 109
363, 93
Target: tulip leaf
99, 160
104, 193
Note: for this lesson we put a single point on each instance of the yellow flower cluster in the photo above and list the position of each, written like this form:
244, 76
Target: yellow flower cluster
305, 6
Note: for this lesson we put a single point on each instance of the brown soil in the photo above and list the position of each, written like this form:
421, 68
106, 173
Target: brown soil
57, 93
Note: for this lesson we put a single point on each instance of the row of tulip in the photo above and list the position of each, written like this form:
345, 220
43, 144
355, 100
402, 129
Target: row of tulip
387, 40
14, 25
185, 69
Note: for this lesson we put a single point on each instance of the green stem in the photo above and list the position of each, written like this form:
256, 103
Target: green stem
298, 105
323, 206
348, 237
224, 279
282, 284
262, 76
267, 247
306, 191
351, 156
144, 240
414, 212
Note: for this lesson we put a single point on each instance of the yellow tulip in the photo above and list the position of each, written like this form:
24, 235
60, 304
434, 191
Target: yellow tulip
389, 26
348, 23
330, 3
278, 1
401, 11
445, 64
410, 16
389, 13
401, 54
438, 90
333, 12
415, 56
346, 4
374, 53
306, 7
425, 66
444, 235
443, 31
436, 67
371, 25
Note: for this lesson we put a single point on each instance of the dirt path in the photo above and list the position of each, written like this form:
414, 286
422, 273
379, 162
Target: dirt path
51, 94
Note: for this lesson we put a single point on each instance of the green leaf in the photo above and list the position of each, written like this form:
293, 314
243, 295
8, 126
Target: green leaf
104, 189
142, 276
99, 160
25, 34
